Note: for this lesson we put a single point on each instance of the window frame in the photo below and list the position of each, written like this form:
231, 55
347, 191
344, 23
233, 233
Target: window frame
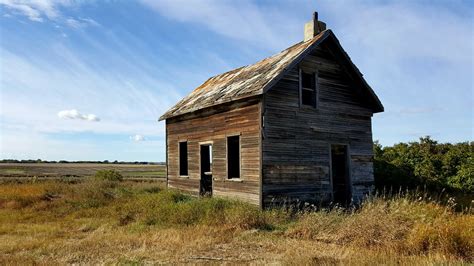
179, 158
315, 74
239, 135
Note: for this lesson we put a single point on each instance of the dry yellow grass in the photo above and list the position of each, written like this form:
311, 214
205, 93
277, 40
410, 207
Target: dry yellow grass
139, 223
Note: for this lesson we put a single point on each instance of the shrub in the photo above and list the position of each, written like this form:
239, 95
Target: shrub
108, 175
425, 163
464, 179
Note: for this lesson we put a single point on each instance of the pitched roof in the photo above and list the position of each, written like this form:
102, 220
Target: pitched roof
247, 81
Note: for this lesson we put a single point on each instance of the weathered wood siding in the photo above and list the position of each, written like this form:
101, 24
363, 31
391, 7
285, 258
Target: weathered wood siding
296, 144
243, 118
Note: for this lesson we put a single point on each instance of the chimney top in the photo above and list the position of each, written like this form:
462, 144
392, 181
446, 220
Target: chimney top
313, 27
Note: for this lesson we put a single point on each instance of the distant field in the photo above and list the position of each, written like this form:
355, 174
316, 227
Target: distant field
77, 170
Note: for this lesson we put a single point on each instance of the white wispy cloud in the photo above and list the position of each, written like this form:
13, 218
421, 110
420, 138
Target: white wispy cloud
80, 22
24, 9
137, 138
241, 20
74, 114
128, 99
41, 10
35, 10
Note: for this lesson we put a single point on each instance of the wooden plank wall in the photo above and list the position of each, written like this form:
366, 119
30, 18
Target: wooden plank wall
234, 119
296, 144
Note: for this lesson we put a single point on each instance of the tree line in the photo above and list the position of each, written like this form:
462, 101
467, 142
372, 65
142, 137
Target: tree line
84, 162
425, 163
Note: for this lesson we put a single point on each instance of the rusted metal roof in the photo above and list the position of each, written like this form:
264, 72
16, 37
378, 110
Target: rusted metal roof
242, 82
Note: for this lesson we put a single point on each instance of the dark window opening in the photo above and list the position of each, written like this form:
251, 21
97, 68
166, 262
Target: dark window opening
233, 157
183, 158
308, 89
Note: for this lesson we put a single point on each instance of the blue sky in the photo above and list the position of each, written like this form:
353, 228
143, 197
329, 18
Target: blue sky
87, 80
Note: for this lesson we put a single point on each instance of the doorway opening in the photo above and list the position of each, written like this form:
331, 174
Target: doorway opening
341, 186
206, 170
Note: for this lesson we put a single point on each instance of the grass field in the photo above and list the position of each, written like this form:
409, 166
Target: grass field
77, 170
99, 222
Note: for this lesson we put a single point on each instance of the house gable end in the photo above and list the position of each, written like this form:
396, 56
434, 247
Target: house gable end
331, 43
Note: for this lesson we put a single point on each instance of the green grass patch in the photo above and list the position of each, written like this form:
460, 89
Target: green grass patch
12, 171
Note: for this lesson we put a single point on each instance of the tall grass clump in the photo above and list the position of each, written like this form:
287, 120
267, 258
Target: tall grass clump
402, 224
453, 237
170, 208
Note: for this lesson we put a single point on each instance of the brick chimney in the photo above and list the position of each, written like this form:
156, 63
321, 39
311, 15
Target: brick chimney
313, 27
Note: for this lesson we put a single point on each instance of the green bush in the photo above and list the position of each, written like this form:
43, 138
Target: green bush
425, 163
108, 175
464, 179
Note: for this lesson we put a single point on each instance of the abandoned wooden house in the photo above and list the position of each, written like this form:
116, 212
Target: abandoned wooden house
294, 126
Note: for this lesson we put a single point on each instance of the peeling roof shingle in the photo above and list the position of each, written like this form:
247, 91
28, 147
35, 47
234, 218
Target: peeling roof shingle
240, 83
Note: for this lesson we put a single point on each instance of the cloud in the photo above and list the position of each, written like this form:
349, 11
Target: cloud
74, 114
80, 22
241, 20
135, 96
40, 10
137, 138
35, 10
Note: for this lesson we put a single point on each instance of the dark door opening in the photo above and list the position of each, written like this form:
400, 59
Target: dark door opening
341, 187
206, 170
